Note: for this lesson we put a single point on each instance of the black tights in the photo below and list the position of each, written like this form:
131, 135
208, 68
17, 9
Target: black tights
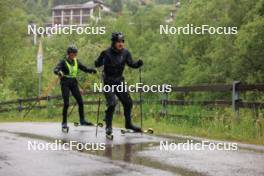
126, 101
67, 86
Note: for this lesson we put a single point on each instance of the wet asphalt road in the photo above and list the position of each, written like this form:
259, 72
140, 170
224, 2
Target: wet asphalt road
130, 154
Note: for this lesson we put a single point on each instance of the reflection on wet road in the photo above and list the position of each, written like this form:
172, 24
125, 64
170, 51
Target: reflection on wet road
130, 154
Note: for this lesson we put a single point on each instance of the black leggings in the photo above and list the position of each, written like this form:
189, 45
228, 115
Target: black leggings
126, 101
67, 86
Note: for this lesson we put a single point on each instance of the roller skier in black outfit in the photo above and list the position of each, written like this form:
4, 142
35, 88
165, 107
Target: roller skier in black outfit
113, 61
67, 70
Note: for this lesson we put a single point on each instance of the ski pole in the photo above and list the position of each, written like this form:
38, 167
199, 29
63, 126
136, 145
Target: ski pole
30, 108
83, 88
97, 117
140, 99
49, 88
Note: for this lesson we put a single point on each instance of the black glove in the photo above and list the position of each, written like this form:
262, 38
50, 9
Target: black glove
60, 73
96, 63
92, 71
140, 63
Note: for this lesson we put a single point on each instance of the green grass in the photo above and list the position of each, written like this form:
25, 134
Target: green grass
189, 120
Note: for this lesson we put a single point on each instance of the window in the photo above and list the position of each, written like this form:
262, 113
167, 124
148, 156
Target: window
85, 19
57, 20
67, 12
57, 12
66, 20
86, 11
76, 12
76, 20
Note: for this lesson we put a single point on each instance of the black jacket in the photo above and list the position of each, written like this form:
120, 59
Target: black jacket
114, 64
61, 66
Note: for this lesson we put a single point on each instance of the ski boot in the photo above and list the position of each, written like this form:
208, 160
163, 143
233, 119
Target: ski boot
85, 123
64, 128
109, 133
134, 128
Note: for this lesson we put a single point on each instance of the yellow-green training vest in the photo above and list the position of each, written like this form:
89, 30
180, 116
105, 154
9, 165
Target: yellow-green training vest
73, 69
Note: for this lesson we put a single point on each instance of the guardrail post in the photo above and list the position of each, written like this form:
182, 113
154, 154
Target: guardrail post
19, 105
49, 106
165, 104
235, 98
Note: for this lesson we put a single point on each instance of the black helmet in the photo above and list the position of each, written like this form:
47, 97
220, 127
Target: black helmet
117, 36
72, 49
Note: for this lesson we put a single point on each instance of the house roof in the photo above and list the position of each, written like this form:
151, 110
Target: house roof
74, 6
87, 5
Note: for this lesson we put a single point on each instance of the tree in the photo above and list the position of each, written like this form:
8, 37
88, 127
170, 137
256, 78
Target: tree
117, 6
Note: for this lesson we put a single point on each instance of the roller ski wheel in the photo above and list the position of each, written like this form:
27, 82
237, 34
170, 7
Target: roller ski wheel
109, 133
150, 131
65, 129
100, 125
109, 136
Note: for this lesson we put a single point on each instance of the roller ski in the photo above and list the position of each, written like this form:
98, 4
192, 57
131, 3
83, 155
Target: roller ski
109, 134
130, 128
76, 124
148, 131
64, 128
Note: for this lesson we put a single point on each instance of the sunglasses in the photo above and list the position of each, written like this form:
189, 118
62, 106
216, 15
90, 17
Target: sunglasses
121, 41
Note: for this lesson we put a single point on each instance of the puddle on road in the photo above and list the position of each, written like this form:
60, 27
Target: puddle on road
128, 153
125, 152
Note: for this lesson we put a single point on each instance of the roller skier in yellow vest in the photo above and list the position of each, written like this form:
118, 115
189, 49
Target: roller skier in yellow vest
67, 70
